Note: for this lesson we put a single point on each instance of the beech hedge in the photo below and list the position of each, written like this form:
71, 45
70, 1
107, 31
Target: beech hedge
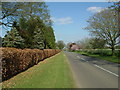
16, 60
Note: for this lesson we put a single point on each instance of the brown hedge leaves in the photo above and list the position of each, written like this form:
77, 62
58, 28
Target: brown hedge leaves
16, 60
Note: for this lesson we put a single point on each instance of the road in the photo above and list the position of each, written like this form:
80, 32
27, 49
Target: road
90, 72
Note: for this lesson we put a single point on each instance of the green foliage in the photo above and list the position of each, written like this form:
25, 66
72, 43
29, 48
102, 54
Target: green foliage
117, 47
1, 41
116, 6
13, 39
50, 38
101, 52
36, 33
23, 23
33, 24
117, 53
60, 44
26, 28
114, 59
13, 11
38, 39
97, 43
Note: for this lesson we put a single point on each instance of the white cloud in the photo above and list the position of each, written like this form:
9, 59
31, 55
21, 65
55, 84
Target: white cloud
61, 21
95, 9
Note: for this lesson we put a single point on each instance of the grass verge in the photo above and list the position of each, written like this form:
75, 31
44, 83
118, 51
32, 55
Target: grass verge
53, 72
108, 58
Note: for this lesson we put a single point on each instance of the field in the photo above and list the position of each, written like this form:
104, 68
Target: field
53, 72
102, 54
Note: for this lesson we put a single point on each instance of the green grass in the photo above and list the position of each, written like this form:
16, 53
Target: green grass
53, 72
108, 58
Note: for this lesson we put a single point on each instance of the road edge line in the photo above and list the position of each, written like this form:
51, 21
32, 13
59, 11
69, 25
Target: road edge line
106, 70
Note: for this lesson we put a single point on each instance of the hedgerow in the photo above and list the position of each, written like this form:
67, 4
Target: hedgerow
16, 60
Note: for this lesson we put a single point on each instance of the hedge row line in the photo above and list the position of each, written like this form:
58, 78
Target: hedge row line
102, 52
16, 60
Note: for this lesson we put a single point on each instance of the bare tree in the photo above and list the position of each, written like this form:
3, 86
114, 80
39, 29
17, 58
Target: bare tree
104, 25
13, 11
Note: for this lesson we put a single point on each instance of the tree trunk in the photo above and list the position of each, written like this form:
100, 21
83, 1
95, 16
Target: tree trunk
113, 50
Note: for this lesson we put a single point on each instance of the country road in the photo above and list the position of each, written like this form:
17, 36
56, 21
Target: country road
93, 73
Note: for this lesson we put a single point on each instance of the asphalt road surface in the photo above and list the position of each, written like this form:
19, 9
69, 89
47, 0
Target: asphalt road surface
90, 72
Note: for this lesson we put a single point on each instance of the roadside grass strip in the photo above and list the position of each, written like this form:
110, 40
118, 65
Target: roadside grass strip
53, 72
107, 58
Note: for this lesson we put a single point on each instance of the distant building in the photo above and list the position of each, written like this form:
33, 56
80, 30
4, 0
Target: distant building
74, 47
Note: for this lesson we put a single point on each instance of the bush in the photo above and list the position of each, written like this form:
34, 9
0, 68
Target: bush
15, 60
117, 53
102, 52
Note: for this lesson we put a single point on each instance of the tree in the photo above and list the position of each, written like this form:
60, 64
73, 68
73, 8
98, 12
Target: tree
97, 43
0, 41
84, 43
13, 11
13, 39
60, 44
38, 39
9, 13
104, 25
116, 7
32, 21
68, 45
50, 38
36, 33
26, 29
91, 43
47, 35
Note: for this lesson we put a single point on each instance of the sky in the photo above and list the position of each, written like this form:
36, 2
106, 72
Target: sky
70, 18
56, 0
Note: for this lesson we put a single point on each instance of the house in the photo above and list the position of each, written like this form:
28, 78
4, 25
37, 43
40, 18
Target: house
74, 47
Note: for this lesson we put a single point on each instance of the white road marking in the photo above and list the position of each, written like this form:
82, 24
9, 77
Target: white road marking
99, 67
107, 70
78, 57
81, 58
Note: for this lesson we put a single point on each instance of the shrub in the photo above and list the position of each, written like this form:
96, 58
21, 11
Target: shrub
15, 60
117, 53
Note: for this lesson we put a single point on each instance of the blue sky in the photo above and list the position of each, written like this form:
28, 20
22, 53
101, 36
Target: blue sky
70, 18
